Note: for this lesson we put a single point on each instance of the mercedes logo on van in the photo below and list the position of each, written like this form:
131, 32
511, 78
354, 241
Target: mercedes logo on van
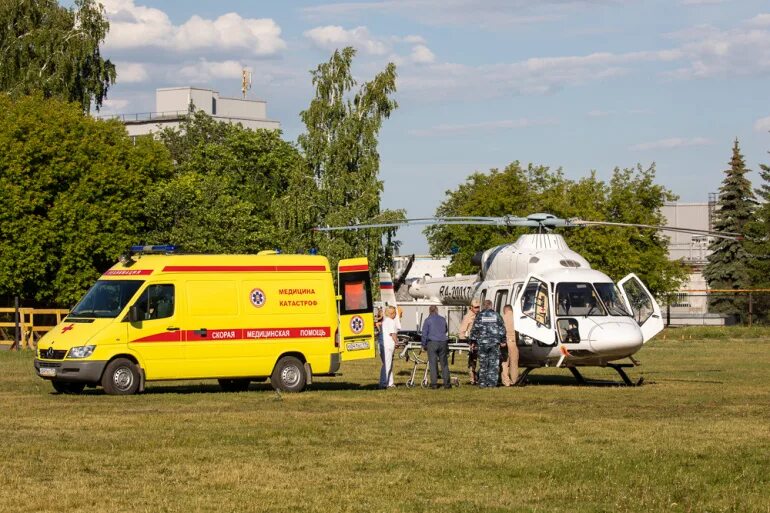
49, 354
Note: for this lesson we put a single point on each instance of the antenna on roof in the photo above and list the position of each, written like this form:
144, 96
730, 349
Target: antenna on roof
245, 81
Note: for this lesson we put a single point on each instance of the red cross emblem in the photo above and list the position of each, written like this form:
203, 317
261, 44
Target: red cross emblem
67, 328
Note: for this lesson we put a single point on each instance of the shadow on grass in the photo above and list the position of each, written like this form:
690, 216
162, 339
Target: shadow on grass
570, 381
213, 388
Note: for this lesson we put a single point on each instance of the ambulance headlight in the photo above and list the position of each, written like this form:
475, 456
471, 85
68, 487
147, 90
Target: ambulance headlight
81, 352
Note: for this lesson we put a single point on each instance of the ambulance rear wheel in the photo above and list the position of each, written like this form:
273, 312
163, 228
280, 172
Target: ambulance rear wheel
121, 377
289, 375
65, 387
234, 385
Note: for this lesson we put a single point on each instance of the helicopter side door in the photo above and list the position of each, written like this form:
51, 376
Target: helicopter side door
642, 305
533, 311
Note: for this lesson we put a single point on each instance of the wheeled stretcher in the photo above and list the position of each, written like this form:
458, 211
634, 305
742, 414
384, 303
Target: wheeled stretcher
413, 352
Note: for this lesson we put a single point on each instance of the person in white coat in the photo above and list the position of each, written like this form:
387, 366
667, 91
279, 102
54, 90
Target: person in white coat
389, 339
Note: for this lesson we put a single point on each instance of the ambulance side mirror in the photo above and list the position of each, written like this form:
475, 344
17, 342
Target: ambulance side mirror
134, 314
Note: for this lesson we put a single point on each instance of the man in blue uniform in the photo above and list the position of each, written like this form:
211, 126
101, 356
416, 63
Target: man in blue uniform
489, 332
435, 341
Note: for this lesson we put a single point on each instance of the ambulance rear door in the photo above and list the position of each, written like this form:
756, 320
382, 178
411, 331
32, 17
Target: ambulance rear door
354, 308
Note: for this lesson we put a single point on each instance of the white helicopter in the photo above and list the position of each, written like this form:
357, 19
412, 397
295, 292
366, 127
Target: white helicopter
566, 314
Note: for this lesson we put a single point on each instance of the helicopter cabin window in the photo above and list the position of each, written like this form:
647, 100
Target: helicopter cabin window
640, 301
516, 290
611, 298
568, 331
578, 299
501, 296
534, 302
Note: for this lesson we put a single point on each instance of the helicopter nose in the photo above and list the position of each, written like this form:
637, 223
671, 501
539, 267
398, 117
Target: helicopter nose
616, 338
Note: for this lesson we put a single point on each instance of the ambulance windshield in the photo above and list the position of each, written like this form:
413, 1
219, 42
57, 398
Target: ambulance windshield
106, 299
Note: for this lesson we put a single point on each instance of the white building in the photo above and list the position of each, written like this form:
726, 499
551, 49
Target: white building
172, 105
692, 249
690, 305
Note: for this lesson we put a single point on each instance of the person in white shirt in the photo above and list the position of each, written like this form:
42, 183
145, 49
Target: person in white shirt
389, 339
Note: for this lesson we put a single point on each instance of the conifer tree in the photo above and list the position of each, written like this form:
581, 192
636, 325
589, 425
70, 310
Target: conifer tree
758, 245
729, 263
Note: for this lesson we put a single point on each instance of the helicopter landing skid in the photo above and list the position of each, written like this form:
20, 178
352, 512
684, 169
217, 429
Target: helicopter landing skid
523, 376
578, 376
619, 369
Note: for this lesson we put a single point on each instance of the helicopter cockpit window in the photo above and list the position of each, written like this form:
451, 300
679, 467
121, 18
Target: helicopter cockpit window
611, 298
578, 299
534, 302
568, 331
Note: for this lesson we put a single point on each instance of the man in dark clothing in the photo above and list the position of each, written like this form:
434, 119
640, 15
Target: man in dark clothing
489, 331
435, 341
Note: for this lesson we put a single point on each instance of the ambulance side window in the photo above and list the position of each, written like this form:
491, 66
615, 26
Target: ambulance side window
356, 292
157, 302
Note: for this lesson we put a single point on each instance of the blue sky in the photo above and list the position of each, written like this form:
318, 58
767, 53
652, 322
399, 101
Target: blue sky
578, 84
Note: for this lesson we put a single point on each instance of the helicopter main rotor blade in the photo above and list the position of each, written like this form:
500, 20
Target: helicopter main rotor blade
468, 220
693, 231
539, 220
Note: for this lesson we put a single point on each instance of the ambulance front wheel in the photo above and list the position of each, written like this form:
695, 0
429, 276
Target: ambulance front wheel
289, 375
121, 377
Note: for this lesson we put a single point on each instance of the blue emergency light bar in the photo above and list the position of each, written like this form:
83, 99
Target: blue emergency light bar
162, 248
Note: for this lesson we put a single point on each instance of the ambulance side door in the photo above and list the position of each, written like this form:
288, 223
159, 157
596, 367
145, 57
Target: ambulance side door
157, 336
354, 309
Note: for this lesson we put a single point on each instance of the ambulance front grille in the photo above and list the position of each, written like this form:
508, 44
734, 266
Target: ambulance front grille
52, 354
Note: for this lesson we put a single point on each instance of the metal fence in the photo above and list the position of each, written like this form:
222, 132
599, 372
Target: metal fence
147, 116
717, 307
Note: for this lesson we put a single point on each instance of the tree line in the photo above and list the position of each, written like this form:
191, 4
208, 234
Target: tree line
630, 196
76, 191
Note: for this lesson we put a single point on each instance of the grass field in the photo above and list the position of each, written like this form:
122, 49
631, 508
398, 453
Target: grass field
695, 437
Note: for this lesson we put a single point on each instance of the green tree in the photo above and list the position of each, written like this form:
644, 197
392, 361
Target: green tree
72, 190
340, 146
729, 264
53, 50
631, 196
757, 244
234, 190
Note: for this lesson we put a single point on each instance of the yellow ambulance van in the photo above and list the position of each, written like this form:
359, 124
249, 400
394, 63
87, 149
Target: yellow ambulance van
158, 315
